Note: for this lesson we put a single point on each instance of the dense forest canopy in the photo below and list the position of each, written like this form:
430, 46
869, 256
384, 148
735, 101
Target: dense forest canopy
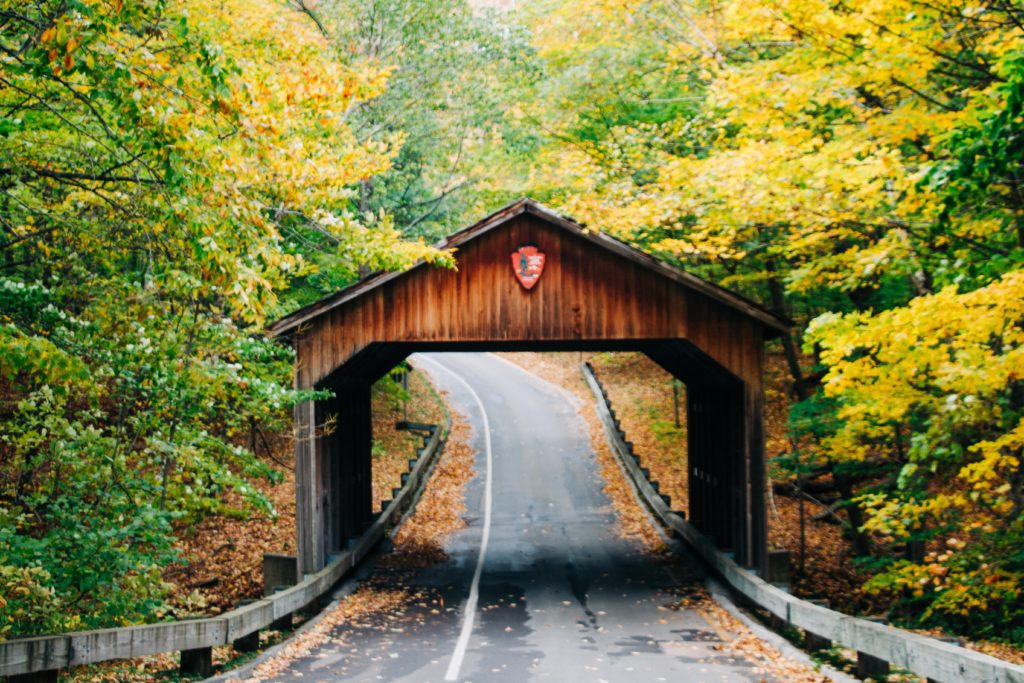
174, 173
855, 165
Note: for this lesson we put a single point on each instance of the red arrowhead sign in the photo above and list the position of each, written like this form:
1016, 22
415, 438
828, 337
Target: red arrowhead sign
527, 264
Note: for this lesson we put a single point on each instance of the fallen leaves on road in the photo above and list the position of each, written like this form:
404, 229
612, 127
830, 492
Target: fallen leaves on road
419, 542
381, 602
737, 639
354, 608
563, 369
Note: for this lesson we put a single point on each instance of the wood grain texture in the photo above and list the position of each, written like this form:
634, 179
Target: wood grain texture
594, 293
587, 293
530, 207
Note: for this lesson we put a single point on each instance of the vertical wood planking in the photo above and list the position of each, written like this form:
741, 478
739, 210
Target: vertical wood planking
308, 517
363, 420
753, 350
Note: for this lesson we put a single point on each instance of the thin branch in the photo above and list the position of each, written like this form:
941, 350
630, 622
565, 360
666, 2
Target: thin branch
32, 235
922, 95
301, 6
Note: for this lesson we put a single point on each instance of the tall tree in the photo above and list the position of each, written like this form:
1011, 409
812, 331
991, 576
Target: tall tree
452, 74
161, 163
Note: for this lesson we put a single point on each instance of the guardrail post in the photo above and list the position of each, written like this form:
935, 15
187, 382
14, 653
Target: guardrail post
952, 640
815, 643
279, 572
283, 622
778, 567
198, 662
249, 642
869, 666
812, 641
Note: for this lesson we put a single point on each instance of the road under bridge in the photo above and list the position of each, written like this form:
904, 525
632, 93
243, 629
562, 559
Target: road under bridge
539, 586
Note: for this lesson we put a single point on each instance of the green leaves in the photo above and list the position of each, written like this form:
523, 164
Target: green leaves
157, 158
979, 181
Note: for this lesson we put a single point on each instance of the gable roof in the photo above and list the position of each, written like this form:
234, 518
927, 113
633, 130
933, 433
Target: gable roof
770, 320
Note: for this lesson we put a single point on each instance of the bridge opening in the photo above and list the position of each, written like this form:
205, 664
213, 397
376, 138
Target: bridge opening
711, 401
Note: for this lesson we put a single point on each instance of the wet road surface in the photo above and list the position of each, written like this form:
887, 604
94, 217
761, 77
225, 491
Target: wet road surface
558, 596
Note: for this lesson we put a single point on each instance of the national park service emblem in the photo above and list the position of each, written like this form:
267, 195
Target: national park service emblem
527, 264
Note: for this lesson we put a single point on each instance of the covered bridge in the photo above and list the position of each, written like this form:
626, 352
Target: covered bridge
531, 280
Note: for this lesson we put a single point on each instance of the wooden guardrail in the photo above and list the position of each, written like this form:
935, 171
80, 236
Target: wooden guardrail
40, 657
934, 659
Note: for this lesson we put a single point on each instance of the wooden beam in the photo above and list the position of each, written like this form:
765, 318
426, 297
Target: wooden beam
308, 510
363, 457
508, 214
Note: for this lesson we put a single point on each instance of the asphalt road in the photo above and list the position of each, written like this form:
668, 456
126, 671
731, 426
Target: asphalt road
556, 595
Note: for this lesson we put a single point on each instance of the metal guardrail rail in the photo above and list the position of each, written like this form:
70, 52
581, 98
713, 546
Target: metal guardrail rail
936, 660
35, 655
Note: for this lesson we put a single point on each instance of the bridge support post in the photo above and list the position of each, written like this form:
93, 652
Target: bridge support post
756, 552
727, 475
308, 506
363, 456
347, 465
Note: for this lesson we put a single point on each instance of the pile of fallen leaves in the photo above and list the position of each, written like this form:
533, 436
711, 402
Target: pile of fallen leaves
737, 639
223, 556
419, 541
641, 393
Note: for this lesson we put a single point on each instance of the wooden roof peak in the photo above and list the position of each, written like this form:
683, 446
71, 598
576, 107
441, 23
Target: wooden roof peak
727, 297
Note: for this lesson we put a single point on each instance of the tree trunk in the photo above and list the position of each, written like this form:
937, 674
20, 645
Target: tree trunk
778, 296
861, 543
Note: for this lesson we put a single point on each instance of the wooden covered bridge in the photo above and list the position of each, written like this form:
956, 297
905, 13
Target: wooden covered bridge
531, 280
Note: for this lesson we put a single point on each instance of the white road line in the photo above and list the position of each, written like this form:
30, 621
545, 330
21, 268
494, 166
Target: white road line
474, 589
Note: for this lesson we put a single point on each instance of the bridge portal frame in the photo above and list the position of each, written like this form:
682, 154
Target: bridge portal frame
595, 294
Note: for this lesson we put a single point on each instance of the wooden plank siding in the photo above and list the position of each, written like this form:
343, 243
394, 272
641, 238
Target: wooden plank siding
585, 293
